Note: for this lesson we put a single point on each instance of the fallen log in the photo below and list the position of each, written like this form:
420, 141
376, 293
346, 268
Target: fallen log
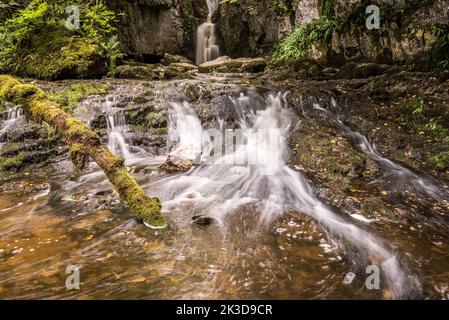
84, 143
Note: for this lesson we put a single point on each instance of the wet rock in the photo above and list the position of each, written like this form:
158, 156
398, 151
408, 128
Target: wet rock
354, 70
155, 71
178, 71
170, 59
203, 220
175, 165
225, 64
148, 72
152, 28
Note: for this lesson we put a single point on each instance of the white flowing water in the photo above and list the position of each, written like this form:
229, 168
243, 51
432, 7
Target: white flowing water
207, 47
400, 175
116, 128
12, 115
255, 174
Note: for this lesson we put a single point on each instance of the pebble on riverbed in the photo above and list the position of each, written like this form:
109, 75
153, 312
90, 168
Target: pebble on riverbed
349, 277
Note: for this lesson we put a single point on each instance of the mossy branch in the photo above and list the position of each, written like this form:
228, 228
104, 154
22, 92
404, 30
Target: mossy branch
83, 143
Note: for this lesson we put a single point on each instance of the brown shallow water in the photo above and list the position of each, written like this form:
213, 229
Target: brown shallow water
46, 226
44, 231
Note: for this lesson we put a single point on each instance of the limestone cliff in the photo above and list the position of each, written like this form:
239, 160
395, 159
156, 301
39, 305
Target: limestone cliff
154, 27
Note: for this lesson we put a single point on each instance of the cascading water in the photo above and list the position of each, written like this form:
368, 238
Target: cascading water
207, 48
402, 176
228, 183
12, 115
116, 126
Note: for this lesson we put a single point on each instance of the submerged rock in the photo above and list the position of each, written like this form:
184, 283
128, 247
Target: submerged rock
203, 220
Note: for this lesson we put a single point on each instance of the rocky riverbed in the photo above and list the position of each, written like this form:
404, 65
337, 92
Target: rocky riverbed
374, 149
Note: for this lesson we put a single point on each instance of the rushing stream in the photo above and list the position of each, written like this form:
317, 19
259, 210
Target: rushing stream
272, 235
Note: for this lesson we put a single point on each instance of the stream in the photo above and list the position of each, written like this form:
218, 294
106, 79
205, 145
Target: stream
272, 236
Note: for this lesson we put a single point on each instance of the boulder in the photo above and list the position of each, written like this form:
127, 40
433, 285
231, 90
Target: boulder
170, 59
354, 70
148, 72
155, 71
225, 64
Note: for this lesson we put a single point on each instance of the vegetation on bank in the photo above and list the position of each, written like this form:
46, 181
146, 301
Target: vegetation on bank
36, 42
300, 43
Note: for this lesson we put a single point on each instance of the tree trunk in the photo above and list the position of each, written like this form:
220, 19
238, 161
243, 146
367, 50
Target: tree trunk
84, 143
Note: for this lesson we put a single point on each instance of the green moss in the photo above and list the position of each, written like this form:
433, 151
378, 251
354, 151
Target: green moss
82, 142
52, 135
69, 98
6, 85
148, 210
160, 131
35, 42
13, 163
78, 154
78, 131
156, 120
440, 160
56, 53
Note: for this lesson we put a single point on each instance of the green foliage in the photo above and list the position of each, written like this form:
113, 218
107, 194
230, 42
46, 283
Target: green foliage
298, 44
113, 53
327, 7
419, 108
441, 49
15, 33
36, 42
440, 160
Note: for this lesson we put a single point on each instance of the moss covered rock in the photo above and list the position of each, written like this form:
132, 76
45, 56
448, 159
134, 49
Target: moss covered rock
56, 54
225, 65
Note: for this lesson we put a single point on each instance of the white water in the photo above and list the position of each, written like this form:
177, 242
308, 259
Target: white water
185, 131
220, 188
116, 128
207, 48
12, 115
400, 175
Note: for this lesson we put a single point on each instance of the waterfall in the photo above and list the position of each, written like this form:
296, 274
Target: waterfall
401, 176
116, 128
231, 182
12, 115
207, 48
